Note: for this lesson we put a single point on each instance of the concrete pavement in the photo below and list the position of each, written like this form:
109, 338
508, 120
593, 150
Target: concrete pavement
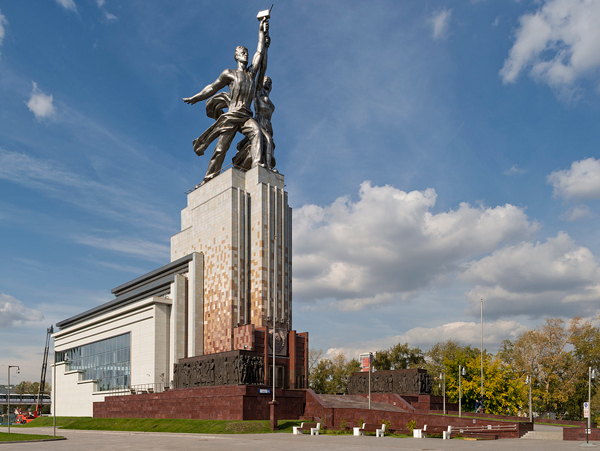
112, 441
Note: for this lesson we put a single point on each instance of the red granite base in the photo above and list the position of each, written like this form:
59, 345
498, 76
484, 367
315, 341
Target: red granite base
224, 402
580, 435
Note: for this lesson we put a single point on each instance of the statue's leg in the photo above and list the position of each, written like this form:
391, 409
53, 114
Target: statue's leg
268, 147
216, 161
252, 131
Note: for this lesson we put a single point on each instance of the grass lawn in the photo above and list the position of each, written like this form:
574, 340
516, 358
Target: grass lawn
12, 437
164, 425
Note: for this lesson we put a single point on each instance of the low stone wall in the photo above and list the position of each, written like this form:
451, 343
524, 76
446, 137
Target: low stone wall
578, 434
225, 402
399, 420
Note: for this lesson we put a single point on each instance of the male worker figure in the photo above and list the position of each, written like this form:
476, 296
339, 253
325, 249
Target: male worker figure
242, 90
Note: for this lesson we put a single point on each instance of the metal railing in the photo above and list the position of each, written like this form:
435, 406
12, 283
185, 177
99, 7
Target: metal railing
138, 389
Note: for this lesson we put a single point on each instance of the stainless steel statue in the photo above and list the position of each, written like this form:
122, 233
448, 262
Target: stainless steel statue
264, 109
243, 88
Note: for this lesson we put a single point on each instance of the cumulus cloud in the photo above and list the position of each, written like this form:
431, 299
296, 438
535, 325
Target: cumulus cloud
12, 311
387, 246
440, 22
555, 278
40, 104
3, 23
577, 213
494, 333
558, 43
581, 181
67, 4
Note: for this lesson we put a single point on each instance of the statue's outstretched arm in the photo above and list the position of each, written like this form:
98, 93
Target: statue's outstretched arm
263, 66
211, 89
261, 49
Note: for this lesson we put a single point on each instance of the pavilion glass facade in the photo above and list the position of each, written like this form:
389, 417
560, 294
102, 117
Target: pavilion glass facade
106, 361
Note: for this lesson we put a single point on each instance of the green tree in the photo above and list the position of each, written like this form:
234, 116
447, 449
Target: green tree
400, 356
446, 356
585, 339
557, 355
330, 375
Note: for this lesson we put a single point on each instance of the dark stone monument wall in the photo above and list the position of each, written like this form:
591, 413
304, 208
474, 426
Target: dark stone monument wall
225, 402
578, 434
225, 368
315, 408
411, 381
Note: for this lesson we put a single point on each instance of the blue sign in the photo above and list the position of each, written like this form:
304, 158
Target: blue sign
264, 391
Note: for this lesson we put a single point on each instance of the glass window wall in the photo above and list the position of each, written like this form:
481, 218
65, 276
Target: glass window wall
106, 361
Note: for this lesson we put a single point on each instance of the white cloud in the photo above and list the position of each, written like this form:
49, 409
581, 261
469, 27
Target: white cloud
109, 16
132, 246
40, 104
496, 22
494, 333
558, 43
12, 311
3, 23
53, 179
388, 246
515, 170
582, 181
67, 4
440, 22
577, 213
555, 278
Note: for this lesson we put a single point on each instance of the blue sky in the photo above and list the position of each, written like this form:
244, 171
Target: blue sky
435, 153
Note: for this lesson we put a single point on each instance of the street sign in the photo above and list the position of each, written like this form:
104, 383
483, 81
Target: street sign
264, 391
586, 410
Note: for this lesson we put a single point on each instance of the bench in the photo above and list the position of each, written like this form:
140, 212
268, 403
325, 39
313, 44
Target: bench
484, 432
379, 431
313, 428
446, 432
479, 436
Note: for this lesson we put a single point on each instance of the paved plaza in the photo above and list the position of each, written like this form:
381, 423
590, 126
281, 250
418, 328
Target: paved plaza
110, 440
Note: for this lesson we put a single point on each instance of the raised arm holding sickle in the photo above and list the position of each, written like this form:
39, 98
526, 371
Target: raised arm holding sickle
242, 90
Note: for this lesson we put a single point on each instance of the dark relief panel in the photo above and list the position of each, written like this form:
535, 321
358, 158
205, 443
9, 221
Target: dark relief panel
406, 382
235, 367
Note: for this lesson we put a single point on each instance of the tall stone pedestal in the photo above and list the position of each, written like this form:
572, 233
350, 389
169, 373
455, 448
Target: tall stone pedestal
273, 415
241, 222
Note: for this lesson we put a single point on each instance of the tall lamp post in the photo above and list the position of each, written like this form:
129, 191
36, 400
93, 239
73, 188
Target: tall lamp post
370, 366
443, 379
54, 393
8, 409
274, 309
461, 372
482, 407
66, 360
591, 375
528, 381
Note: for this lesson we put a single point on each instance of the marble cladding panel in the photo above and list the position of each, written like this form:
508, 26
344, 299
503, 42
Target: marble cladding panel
243, 337
215, 223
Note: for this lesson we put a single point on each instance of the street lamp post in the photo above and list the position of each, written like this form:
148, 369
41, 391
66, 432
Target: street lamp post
54, 393
443, 379
369, 382
461, 372
528, 381
591, 375
8, 408
274, 308
482, 408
